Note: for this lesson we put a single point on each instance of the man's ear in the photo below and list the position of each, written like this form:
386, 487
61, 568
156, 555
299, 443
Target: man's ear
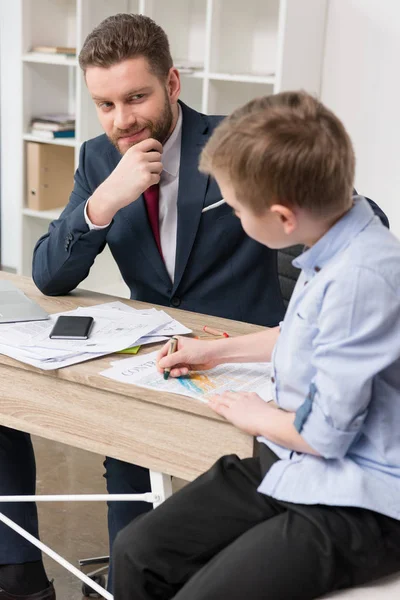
287, 217
173, 84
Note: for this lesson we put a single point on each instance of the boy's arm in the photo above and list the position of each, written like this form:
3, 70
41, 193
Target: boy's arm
253, 347
251, 414
201, 354
358, 338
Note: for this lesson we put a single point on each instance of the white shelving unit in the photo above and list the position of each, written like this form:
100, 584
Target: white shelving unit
241, 49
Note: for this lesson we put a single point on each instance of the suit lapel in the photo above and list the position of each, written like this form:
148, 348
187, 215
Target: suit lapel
192, 187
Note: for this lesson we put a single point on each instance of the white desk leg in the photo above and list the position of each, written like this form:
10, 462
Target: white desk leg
161, 487
61, 561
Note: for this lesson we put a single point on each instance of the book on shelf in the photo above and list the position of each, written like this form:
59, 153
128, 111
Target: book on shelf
54, 125
48, 126
54, 50
52, 135
187, 67
55, 118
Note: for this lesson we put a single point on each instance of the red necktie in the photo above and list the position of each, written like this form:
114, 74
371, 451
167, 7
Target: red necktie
151, 197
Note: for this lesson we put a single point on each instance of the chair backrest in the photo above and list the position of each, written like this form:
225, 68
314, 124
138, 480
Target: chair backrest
287, 273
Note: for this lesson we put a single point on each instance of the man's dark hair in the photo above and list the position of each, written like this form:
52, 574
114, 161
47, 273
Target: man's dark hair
125, 36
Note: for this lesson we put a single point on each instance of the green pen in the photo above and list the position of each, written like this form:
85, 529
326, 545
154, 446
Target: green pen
173, 344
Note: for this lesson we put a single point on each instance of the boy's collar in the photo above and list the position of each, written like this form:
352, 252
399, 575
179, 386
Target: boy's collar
337, 237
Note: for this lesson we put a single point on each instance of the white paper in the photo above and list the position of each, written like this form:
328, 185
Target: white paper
236, 377
117, 305
112, 331
47, 365
170, 327
19, 334
116, 327
150, 339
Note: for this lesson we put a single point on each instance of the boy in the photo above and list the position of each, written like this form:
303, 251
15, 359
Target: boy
319, 509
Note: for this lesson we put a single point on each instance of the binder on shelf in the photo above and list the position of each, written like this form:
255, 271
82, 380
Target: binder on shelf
50, 175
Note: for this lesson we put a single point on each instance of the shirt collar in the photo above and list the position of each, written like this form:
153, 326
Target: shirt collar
337, 237
172, 148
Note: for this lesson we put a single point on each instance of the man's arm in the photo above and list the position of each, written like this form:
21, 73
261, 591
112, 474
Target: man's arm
62, 258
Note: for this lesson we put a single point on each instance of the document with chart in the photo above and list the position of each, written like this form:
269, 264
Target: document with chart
234, 377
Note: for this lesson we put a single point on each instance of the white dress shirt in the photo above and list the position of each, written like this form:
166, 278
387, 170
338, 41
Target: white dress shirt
168, 210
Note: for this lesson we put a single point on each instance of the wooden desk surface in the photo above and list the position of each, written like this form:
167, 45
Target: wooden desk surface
77, 406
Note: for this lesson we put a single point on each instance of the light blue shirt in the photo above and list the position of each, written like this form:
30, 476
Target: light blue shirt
337, 366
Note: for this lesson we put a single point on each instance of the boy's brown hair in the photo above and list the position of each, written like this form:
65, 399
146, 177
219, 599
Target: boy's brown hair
125, 36
285, 149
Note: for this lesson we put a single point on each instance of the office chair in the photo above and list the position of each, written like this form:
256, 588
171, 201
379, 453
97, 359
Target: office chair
287, 273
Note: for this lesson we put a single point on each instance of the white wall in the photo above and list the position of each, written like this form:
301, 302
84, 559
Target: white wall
361, 83
11, 109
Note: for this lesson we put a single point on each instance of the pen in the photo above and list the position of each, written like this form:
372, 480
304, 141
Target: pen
173, 342
215, 205
213, 331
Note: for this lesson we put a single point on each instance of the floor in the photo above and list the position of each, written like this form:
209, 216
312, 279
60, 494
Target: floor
74, 530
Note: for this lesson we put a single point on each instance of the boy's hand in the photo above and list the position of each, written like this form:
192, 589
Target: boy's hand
191, 355
246, 410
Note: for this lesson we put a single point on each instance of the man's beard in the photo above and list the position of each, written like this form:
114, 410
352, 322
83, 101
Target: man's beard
159, 130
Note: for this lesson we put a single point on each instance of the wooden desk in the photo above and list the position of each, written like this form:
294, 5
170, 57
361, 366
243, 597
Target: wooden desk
165, 432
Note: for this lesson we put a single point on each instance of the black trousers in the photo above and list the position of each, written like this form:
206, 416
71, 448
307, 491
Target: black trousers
219, 538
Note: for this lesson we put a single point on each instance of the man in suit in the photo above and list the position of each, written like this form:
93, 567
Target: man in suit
137, 189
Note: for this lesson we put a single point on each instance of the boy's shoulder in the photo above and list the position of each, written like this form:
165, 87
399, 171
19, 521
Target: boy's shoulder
376, 250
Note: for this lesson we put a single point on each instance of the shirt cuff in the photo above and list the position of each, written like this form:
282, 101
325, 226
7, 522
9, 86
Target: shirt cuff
319, 431
89, 222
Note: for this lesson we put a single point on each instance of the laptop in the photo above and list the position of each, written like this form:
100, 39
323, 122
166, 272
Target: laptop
15, 306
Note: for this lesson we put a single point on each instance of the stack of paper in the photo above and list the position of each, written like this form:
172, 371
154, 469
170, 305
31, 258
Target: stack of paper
233, 377
116, 326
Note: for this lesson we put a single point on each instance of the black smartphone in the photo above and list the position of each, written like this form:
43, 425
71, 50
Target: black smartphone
71, 328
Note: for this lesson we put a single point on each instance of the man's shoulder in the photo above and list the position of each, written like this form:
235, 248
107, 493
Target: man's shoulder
372, 257
196, 119
99, 154
214, 121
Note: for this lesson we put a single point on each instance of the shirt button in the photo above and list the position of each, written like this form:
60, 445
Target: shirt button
317, 269
176, 301
273, 379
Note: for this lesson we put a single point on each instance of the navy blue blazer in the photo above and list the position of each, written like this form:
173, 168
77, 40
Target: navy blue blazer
219, 270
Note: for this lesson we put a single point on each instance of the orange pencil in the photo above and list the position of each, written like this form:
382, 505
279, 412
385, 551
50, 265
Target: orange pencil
211, 338
213, 331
